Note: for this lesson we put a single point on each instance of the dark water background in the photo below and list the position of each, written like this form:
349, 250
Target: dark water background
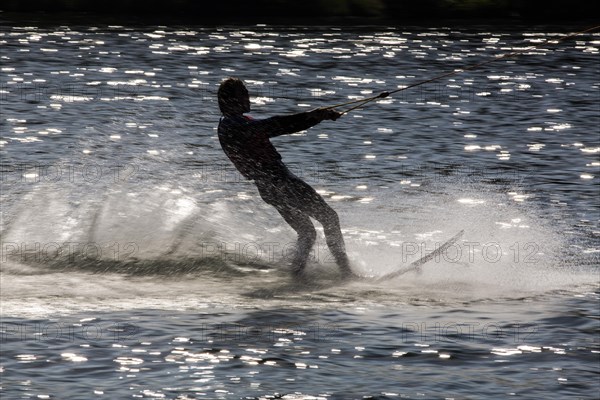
138, 264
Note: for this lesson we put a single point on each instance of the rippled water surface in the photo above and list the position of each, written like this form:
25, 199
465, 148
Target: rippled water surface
136, 263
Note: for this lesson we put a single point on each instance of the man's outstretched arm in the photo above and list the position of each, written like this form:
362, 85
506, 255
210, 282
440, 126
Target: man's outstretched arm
287, 124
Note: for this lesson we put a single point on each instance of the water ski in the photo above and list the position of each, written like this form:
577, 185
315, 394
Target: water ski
416, 265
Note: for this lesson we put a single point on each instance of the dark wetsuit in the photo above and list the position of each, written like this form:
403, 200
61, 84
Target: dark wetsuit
246, 142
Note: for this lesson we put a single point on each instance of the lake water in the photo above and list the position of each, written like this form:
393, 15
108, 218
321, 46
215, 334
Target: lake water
136, 263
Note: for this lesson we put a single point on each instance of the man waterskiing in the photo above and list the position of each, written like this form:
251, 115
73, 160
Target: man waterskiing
246, 142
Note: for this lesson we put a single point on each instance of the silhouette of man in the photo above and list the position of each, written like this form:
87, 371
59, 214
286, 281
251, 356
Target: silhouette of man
246, 142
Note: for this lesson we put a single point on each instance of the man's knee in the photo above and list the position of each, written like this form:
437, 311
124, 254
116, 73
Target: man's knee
328, 216
308, 234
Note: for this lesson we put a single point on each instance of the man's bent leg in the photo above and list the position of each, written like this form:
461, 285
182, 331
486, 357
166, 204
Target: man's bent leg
327, 216
306, 237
